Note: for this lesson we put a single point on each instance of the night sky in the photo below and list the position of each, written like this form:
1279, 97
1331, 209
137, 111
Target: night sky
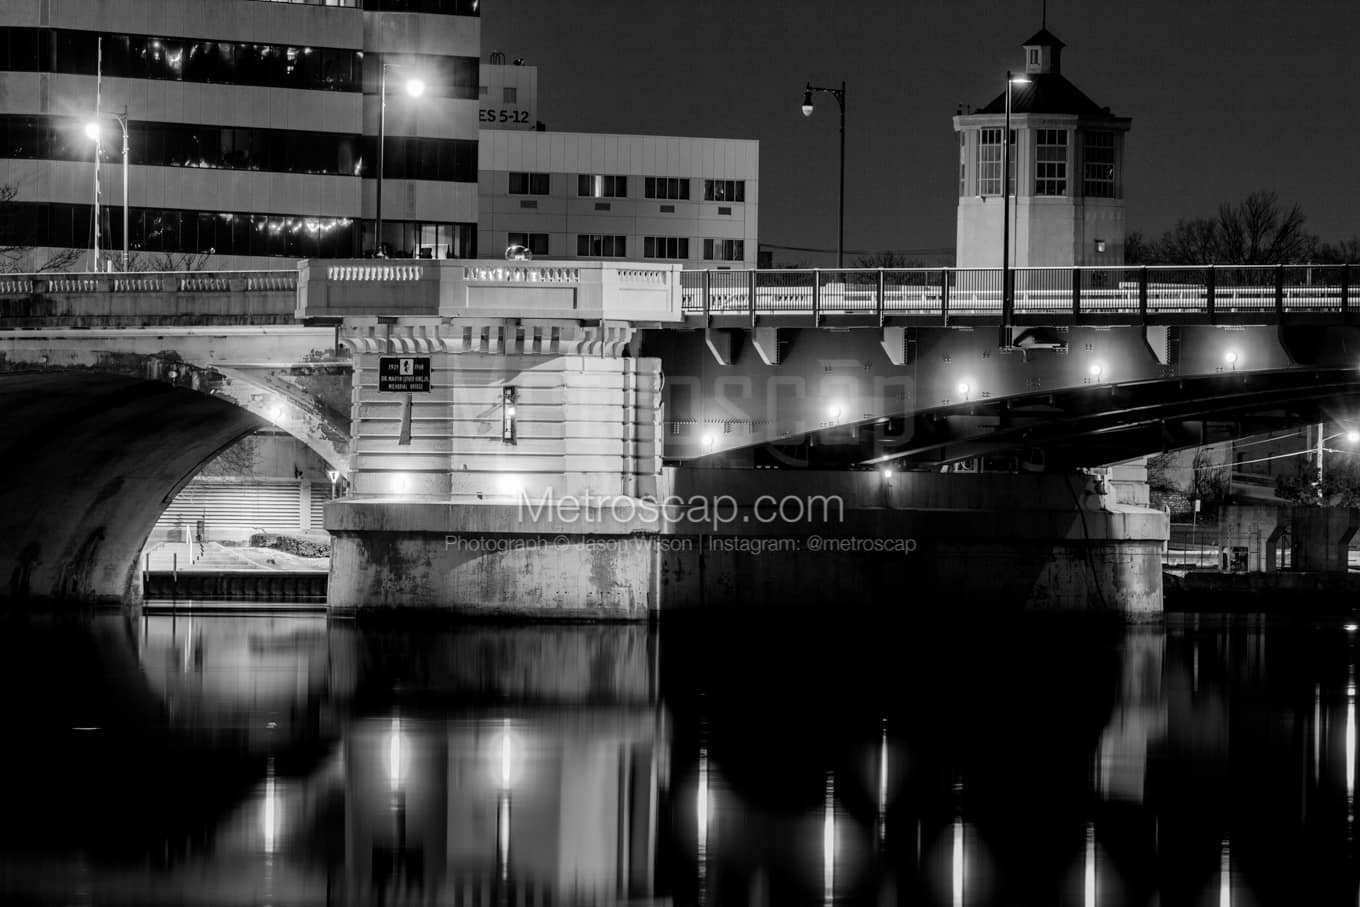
1226, 97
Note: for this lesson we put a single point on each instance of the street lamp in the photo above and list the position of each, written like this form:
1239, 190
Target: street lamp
839, 95
1007, 304
415, 88
95, 133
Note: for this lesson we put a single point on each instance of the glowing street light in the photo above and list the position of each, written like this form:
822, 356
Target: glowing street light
839, 95
415, 88
1007, 306
95, 133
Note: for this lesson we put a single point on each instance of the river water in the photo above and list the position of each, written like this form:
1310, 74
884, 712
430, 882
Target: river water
287, 760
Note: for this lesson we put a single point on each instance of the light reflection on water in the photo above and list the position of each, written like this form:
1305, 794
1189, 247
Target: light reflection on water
288, 760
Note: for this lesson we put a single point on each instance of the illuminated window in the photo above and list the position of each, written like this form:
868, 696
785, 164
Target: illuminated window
1050, 162
537, 243
595, 246
1098, 171
529, 184
590, 185
724, 190
665, 247
666, 187
724, 250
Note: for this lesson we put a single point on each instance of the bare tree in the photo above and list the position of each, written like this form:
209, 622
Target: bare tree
1190, 242
1343, 252
167, 261
888, 260
18, 250
1258, 230
238, 460
1261, 230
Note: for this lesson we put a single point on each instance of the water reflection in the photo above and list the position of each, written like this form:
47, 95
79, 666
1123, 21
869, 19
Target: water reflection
296, 761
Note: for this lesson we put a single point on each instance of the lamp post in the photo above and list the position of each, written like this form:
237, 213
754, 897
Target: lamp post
94, 131
415, 88
1007, 304
839, 95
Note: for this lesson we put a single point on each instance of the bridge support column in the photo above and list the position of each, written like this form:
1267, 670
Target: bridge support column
913, 543
519, 490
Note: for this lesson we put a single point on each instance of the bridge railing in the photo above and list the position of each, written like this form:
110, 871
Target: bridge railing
942, 292
90, 299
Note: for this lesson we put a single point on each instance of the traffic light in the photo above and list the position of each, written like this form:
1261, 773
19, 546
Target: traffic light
508, 397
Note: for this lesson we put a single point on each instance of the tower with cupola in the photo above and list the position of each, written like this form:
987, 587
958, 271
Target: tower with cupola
1066, 171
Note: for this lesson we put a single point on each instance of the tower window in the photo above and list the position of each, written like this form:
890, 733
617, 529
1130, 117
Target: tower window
1098, 170
989, 162
1050, 162
1034, 56
963, 165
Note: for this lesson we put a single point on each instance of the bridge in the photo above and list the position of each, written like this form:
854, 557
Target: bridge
603, 382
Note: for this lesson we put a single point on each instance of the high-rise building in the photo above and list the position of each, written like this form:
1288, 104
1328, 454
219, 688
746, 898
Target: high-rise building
1066, 179
252, 128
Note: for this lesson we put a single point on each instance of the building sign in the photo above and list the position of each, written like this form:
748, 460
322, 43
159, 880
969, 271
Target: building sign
506, 116
404, 374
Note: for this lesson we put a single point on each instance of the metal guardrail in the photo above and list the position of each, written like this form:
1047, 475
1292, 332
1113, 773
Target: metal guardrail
1067, 292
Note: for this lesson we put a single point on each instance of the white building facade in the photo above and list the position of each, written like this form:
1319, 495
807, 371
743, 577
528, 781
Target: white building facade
1066, 163
694, 201
508, 95
252, 127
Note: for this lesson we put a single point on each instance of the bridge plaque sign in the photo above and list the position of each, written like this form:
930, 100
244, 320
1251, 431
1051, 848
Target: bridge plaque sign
404, 374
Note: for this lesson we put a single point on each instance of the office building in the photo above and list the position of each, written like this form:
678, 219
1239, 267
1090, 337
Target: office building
661, 198
252, 128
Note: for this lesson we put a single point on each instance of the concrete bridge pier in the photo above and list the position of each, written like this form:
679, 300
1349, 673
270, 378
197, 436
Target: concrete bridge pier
916, 543
514, 486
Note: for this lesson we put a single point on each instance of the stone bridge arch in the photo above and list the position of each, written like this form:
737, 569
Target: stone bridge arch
94, 444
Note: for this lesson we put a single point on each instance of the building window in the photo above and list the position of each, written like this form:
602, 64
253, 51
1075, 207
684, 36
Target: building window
1098, 181
989, 162
1034, 56
74, 52
589, 185
510, 94
528, 184
724, 250
1050, 162
414, 239
537, 243
724, 190
595, 246
963, 164
665, 247
667, 187
485, 90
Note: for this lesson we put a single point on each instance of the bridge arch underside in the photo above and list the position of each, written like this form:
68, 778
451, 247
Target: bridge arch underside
1083, 427
1080, 396
90, 460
